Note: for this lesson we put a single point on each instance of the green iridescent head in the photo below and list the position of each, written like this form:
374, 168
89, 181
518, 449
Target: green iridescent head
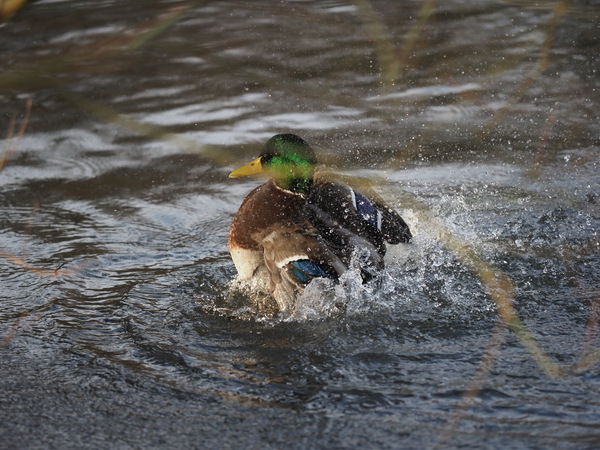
288, 159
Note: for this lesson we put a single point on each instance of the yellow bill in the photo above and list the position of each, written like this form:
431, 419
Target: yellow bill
251, 168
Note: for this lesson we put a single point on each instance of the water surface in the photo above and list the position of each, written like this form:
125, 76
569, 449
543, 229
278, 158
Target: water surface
118, 325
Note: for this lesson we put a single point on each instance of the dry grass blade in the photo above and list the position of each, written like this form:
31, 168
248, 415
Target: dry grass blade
501, 291
498, 286
12, 332
592, 327
424, 15
23, 321
477, 382
148, 131
560, 9
162, 24
386, 52
11, 147
7, 149
38, 74
9, 8
589, 357
46, 273
391, 61
541, 147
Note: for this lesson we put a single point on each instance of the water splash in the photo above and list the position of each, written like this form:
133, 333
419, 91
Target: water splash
422, 282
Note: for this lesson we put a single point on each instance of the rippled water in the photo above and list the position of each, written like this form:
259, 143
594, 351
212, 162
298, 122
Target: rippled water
119, 327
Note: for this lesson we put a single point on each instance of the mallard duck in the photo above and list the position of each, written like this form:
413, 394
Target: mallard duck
298, 226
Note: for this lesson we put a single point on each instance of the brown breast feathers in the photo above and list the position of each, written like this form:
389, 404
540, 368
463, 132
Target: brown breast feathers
264, 207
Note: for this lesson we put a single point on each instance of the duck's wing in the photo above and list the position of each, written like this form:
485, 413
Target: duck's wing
294, 255
388, 222
336, 205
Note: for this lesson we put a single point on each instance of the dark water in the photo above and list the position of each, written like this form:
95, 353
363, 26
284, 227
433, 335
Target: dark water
118, 327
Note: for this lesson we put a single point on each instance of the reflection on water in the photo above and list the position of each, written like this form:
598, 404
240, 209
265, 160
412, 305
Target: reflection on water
119, 326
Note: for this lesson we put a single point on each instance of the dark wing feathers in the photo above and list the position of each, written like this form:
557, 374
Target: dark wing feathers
359, 214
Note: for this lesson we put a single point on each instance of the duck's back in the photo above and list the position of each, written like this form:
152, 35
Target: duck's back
333, 206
